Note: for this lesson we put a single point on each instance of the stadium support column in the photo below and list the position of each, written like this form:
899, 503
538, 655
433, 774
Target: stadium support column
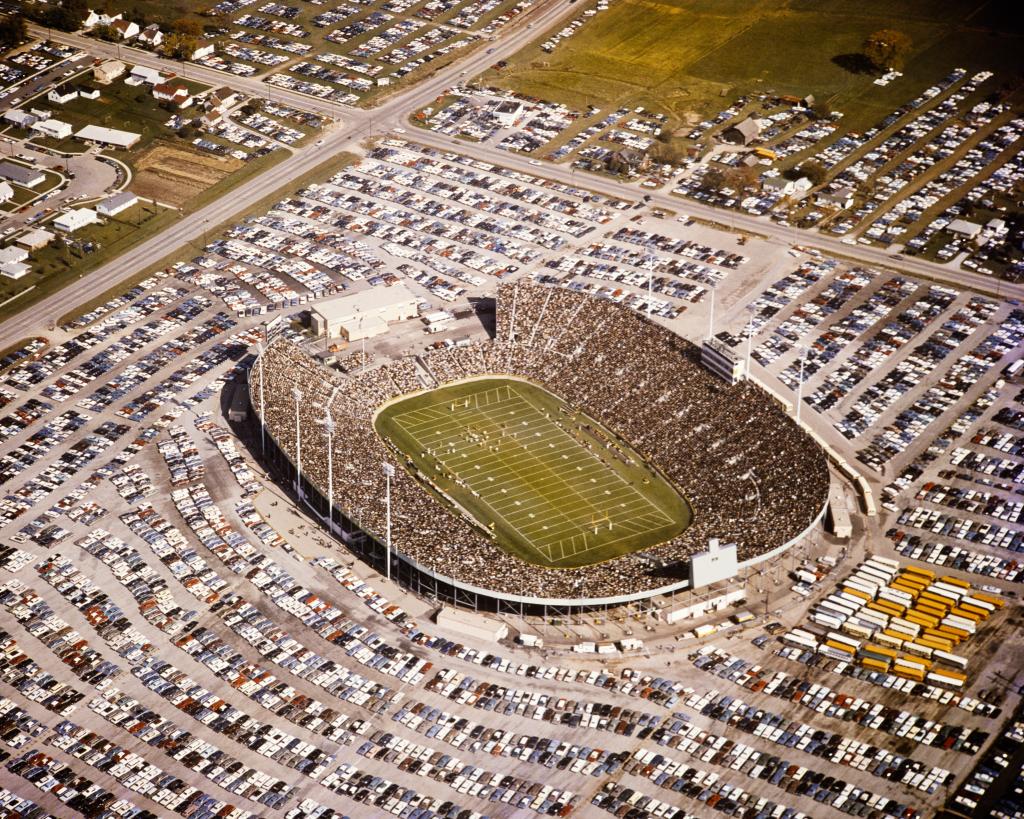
297, 395
389, 472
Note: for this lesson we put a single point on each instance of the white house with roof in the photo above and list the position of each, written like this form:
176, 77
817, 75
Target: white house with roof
125, 29
19, 118
52, 128
108, 71
173, 93
75, 219
95, 18
151, 36
143, 74
6, 192
35, 239
113, 205
63, 93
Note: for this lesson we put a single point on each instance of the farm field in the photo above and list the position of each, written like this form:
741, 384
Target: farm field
549, 483
690, 58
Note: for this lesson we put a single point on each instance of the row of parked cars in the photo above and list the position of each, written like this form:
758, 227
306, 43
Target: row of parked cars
962, 528
956, 557
824, 700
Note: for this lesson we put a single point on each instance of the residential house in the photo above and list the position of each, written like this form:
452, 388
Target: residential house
142, 74
95, 18
21, 175
52, 128
108, 71
13, 254
75, 219
840, 197
14, 270
19, 118
12, 262
88, 92
628, 160
961, 227
787, 187
220, 101
35, 239
151, 36
170, 92
125, 29
113, 205
60, 94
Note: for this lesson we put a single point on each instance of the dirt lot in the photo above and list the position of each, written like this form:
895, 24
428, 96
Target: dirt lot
174, 175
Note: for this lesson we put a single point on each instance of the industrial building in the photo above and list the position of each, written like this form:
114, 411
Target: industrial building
364, 315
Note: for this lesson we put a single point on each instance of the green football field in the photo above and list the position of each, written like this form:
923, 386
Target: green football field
550, 485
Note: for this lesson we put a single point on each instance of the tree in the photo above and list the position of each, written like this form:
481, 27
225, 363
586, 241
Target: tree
713, 180
105, 33
70, 15
187, 27
740, 178
12, 31
821, 110
886, 48
179, 46
814, 171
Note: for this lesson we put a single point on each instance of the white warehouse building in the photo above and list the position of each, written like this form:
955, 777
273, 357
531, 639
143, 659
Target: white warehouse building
365, 314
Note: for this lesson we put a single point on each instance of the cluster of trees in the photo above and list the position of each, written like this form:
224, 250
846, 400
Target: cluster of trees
12, 31
886, 48
68, 15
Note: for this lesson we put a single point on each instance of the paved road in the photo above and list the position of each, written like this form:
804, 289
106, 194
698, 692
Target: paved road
391, 113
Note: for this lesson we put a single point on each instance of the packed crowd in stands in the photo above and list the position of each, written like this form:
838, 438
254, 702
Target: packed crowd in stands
751, 475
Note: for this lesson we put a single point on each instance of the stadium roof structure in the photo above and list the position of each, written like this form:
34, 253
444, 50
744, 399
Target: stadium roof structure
749, 473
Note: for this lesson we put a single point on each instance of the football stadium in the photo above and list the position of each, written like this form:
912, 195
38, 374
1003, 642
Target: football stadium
580, 457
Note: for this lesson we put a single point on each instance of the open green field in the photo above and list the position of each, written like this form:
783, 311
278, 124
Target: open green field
691, 58
549, 484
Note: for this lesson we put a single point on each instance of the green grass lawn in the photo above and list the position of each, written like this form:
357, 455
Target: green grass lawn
691, 58
54, 267
121, 106
549, 484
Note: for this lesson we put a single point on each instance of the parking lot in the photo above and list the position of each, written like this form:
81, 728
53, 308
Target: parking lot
177, 639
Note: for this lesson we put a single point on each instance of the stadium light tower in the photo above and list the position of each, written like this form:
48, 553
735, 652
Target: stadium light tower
750, 334
800, 383
389, 473
711, 316
263, 415
328, 424
297, 395
650, 258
